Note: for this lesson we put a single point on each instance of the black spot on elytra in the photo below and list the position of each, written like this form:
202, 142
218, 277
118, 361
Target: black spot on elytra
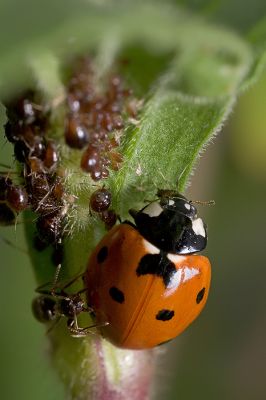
157, 264
165, 315
117, 295
200, 295
102, 255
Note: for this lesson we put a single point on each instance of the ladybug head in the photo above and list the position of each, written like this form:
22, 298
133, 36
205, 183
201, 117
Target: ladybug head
171, 224
174, 201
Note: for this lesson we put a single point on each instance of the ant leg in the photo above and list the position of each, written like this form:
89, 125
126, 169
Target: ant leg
76, 331
53, 325
74, 279
87, 330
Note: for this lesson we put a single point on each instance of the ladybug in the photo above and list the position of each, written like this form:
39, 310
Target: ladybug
144, 281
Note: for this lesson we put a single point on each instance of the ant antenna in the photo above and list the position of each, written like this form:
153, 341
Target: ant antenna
57, 273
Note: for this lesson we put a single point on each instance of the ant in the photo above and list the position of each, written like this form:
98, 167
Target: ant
53, 304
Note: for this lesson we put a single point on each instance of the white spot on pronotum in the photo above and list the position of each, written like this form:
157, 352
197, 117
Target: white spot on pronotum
171, 202
198, 227
176, 259
150, 248
188, 206
153, 209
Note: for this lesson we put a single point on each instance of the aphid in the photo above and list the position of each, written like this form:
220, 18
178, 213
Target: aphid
90, 159
100, 200
50, 157
50, 227
109, 217
76, 134
17, 198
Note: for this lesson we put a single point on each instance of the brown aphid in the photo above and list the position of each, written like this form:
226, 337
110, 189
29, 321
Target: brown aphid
116, 159
91, 159
100, 200
132, 108
109, 217
36, 145
35, 165
39, 188
73, 102
17, 198
31, 146
76, 134
97, 173
25, 110
118, 122
105, 121
58, 189
51, 156
49, 227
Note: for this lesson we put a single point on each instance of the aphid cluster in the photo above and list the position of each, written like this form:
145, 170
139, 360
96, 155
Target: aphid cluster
95, 120
43, 190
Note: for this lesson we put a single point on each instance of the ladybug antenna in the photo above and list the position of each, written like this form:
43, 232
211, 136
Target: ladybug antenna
203, 203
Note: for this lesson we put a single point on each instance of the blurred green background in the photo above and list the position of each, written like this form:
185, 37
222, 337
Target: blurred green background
223, 354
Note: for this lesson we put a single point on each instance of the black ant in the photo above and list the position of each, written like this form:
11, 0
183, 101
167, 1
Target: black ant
53, 304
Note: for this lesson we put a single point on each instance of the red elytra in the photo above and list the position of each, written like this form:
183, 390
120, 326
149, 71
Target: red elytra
143, 307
